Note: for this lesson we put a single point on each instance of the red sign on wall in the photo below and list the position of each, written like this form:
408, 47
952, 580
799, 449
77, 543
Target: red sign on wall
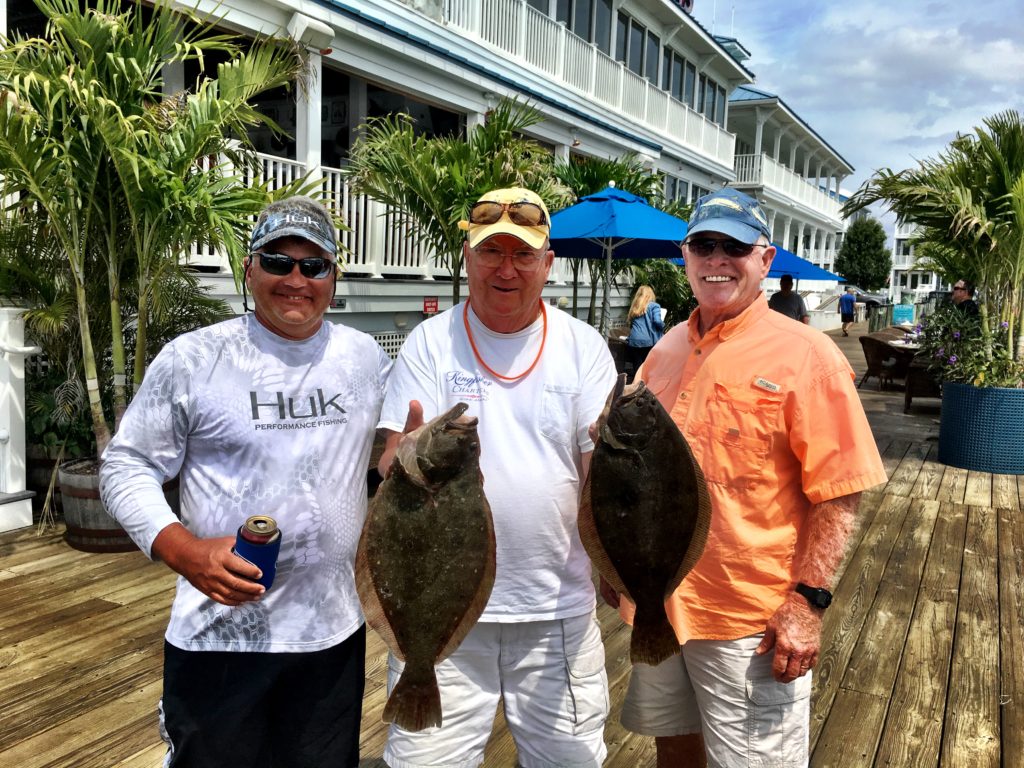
430, 305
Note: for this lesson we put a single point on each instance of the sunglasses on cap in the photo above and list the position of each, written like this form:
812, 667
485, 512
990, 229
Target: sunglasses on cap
524, 214
280, 264
705, 247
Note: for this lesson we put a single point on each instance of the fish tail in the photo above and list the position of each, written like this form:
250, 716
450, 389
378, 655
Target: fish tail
415, 702
653, 638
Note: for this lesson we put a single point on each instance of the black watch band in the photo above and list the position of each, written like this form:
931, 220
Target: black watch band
816, 596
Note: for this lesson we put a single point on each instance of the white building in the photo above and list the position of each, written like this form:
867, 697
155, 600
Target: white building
907, 284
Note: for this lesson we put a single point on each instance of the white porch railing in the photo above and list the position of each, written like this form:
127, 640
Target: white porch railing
537, 40
377, 242
761, 170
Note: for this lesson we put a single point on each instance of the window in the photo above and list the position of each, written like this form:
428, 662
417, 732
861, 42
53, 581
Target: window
540, 5
603, 25
709, 101
653, 54
913, 280
677, 77
720, 107
702, 83
562, 11
689, 83
621, 41
582, 12
635, 53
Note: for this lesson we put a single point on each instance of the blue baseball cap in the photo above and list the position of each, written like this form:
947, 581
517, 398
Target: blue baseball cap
297, 216
732, 213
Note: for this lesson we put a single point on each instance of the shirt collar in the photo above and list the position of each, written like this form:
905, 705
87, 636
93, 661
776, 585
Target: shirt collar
727, 329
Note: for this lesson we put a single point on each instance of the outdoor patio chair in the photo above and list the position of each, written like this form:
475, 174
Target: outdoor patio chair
920, 383
880, 359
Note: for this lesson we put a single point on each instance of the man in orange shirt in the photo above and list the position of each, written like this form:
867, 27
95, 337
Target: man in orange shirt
769, 408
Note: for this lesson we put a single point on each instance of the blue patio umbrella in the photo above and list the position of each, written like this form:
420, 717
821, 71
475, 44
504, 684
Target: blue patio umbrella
788, 263
615, 224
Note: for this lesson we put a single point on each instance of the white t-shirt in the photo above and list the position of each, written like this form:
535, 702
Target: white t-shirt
532, 434
256, 424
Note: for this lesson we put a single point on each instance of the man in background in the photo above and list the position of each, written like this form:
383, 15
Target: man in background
788, 302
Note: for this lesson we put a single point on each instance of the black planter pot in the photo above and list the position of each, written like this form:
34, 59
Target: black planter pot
982, 428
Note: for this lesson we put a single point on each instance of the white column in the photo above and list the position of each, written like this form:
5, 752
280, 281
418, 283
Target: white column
473, 121
786, 232
307, 117
792, 155
778, 145
807, 166
801, 248
13, 514
173, 76
771, 224
562, 152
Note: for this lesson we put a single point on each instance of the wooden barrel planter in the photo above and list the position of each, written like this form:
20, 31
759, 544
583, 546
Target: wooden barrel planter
982, 428
88, 526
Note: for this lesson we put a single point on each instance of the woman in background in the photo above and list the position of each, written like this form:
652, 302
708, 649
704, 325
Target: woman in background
646, 326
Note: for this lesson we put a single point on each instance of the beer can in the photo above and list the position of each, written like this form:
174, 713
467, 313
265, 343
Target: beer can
259, 542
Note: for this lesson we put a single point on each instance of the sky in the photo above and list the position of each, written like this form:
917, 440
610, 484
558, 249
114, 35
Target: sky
885, 82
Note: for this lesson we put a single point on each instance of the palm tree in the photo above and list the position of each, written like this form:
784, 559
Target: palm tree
121, 178
969, 205
431, 182
588, 175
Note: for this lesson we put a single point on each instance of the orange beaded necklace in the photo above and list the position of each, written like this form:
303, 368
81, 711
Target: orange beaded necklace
476, 352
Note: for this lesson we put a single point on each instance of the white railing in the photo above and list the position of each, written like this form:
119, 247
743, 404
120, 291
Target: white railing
532, 37
761, 170
377, 241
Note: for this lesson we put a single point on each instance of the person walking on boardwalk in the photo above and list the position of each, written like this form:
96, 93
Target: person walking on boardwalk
847, 310
535, 379
770, 410
267, 414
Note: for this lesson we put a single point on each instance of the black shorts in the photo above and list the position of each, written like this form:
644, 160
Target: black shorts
223, 709
847, 318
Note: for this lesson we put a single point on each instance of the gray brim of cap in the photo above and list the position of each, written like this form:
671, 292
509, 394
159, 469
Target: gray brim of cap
302, 234
734, 229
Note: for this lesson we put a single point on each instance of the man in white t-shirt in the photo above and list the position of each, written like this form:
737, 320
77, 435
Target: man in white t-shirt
267, 414
536, 379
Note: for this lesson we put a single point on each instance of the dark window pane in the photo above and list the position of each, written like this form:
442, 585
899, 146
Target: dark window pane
701, 87
677, 77
562, 11
653, 49
540, 5
581, 18
635, 55
688, 84
709, 101
603, 24
720, 108
666, 71
621, 37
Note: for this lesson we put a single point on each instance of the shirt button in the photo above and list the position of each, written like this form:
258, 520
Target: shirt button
682, 395
698, 351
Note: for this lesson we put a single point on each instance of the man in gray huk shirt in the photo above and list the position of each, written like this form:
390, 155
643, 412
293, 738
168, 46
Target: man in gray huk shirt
271, 413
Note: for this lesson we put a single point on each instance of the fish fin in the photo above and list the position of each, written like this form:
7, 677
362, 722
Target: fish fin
653, 639
702, 525
592, 542
483, 591
415, 701
373, 610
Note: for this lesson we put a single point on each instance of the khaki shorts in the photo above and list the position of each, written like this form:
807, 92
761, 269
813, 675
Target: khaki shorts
722, 689
551, 679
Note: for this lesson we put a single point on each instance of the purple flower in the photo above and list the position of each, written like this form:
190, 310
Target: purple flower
952, 359
956, 334
918, 328
1004, 325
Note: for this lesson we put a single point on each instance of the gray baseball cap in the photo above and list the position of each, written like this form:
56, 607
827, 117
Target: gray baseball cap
297, 216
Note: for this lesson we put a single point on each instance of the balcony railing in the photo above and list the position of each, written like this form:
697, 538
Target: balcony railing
377, 242
533, 38
763, 171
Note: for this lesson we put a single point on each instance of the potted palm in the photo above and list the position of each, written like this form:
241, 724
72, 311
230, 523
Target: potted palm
121, 180
969, 205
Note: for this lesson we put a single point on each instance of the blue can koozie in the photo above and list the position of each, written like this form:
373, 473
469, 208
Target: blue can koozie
259, 541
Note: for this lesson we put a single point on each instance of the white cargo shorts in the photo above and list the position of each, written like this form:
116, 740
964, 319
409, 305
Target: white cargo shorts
722, 689
549, 675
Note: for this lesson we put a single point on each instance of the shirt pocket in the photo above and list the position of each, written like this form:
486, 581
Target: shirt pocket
558, 412
735, 432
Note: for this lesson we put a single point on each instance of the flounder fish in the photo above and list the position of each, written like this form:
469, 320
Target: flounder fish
644, 512
425, 563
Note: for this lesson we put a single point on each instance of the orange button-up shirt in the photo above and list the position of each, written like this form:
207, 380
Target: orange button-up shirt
770, 411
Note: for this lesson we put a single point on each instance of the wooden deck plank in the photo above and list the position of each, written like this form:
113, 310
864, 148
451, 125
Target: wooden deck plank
972, 730
913, 730
953, 485
904, 477
1004, 492
1011, 634
930, 477
978, 492
844, 742
852, 601
893, 455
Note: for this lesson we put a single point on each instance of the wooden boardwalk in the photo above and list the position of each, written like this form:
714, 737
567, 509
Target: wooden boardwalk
922, 665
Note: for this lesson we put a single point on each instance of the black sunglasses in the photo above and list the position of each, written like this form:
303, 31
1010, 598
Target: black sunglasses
280, 264
705, 247
524, 214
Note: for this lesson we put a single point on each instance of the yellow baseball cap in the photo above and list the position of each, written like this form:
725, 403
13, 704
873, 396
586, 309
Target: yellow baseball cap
533, 236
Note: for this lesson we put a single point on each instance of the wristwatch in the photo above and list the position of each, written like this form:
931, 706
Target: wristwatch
816, 596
